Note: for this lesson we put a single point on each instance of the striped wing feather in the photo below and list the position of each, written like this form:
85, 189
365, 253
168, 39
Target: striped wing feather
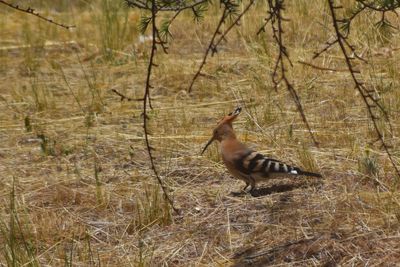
253, 163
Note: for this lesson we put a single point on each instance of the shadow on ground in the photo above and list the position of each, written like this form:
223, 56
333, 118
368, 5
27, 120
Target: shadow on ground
277, 188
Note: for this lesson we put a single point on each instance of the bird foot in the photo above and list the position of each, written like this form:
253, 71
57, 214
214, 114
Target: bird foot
243, 192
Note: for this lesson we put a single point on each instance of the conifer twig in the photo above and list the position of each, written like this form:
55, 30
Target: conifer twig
32, 11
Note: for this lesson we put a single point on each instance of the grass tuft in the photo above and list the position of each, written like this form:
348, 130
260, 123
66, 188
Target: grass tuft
18, 244
368, 164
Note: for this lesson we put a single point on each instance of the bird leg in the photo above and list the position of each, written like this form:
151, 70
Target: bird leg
252, 184
250, 181
247, 185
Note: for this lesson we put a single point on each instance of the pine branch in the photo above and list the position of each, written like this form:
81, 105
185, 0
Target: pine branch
167, 7
374, 5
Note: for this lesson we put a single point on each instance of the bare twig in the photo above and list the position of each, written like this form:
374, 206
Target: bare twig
160, 40
211, 47
234, 23
328, 45
229, 8
279, 72
262, 28
370, 100
124, 97
32, 11
146, 103
266, 21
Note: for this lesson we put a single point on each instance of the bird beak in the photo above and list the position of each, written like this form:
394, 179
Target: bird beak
208, 143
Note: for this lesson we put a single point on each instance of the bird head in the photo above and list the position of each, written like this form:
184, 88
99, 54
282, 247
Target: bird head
224, 128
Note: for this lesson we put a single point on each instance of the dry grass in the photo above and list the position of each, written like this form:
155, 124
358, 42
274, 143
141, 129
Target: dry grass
76, 189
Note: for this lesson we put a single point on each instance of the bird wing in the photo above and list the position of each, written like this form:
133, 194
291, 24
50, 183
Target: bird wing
254, 163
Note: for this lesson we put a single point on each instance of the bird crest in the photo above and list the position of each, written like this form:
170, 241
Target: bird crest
223, 126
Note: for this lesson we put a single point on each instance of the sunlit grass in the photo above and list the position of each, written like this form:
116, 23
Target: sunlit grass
85, 194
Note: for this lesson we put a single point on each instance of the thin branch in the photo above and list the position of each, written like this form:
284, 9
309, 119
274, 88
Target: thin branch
124, 97
262, 28
32, 11
234, 23
279, 72
326, 48
368, 98
158, 39
146, 103
181, 7
210, 47
352, 17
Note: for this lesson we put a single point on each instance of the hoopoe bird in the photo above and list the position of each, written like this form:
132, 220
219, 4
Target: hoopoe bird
244, 163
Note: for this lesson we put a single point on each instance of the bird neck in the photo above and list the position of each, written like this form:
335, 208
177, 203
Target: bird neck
229, 136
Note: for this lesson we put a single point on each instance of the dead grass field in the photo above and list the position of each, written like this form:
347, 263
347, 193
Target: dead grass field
75, 185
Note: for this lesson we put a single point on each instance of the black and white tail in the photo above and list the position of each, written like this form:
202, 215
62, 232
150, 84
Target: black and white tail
297, 171
253, 163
